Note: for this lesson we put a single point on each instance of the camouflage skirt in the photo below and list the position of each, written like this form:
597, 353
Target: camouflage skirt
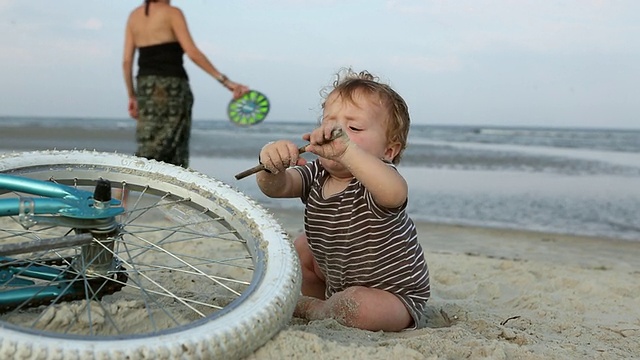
164, 119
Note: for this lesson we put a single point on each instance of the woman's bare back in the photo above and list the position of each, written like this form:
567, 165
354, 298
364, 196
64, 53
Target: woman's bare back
154, 28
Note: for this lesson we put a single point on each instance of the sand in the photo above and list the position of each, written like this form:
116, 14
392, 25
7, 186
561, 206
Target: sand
497, 294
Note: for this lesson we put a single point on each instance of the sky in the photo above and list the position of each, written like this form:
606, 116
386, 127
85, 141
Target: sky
573, 63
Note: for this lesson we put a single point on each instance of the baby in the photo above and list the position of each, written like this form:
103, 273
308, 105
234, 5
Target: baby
361, 261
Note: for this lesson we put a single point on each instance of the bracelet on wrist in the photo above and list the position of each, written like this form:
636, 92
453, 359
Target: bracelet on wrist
222, 79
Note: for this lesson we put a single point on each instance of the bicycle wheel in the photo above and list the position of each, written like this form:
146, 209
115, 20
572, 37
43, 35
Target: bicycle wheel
209, 273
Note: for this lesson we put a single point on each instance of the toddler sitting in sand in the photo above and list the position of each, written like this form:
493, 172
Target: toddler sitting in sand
361, 261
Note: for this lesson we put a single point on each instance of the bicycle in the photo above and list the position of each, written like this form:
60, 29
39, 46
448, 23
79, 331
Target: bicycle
190, 268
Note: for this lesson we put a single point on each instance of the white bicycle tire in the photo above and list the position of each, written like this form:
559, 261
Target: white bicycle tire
235, 334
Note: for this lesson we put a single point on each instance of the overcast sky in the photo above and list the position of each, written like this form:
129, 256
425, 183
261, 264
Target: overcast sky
468, 62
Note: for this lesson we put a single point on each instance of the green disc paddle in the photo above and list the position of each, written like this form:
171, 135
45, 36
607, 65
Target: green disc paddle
250, 109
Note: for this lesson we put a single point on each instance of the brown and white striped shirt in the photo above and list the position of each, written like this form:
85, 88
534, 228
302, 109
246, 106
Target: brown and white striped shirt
358, 243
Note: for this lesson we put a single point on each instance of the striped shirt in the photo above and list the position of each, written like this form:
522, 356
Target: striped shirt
358, 243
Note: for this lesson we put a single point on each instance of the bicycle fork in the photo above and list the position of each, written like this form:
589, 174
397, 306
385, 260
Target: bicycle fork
90, 274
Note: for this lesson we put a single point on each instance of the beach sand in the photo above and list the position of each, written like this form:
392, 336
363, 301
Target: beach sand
497, 294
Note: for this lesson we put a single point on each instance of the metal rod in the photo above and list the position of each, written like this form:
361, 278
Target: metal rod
45, 244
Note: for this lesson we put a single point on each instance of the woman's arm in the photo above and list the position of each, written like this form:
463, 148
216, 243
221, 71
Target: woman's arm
181, 30
127, 67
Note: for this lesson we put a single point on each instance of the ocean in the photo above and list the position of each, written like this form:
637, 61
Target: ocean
555, 180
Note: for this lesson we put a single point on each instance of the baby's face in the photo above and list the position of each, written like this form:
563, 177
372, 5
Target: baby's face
363, 120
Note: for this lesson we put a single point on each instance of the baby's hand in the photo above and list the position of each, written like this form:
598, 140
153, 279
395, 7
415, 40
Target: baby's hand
280, 155
329, 141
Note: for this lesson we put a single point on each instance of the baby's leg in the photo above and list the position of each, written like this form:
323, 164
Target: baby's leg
313, 283
359, 307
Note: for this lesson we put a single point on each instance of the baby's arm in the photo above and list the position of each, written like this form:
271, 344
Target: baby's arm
386, 185
278, 181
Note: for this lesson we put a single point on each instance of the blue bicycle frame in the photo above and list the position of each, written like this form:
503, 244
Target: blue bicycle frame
56, 199
61, 205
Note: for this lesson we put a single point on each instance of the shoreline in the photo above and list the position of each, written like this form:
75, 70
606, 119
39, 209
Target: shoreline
223, 169
547, 196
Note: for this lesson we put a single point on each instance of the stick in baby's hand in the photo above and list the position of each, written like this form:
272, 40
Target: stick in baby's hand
261, 167
334, 135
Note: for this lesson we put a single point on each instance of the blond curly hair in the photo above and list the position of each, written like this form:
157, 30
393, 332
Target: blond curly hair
349, 82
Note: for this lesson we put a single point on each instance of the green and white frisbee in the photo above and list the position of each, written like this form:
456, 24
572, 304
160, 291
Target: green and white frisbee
249, 109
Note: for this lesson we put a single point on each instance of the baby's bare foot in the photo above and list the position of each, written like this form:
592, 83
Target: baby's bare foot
304, 306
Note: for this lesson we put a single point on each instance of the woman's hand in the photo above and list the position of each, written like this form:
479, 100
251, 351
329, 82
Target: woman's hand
133, 108
237, 89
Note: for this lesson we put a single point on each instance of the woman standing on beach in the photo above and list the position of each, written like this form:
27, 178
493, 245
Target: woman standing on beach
163, 100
